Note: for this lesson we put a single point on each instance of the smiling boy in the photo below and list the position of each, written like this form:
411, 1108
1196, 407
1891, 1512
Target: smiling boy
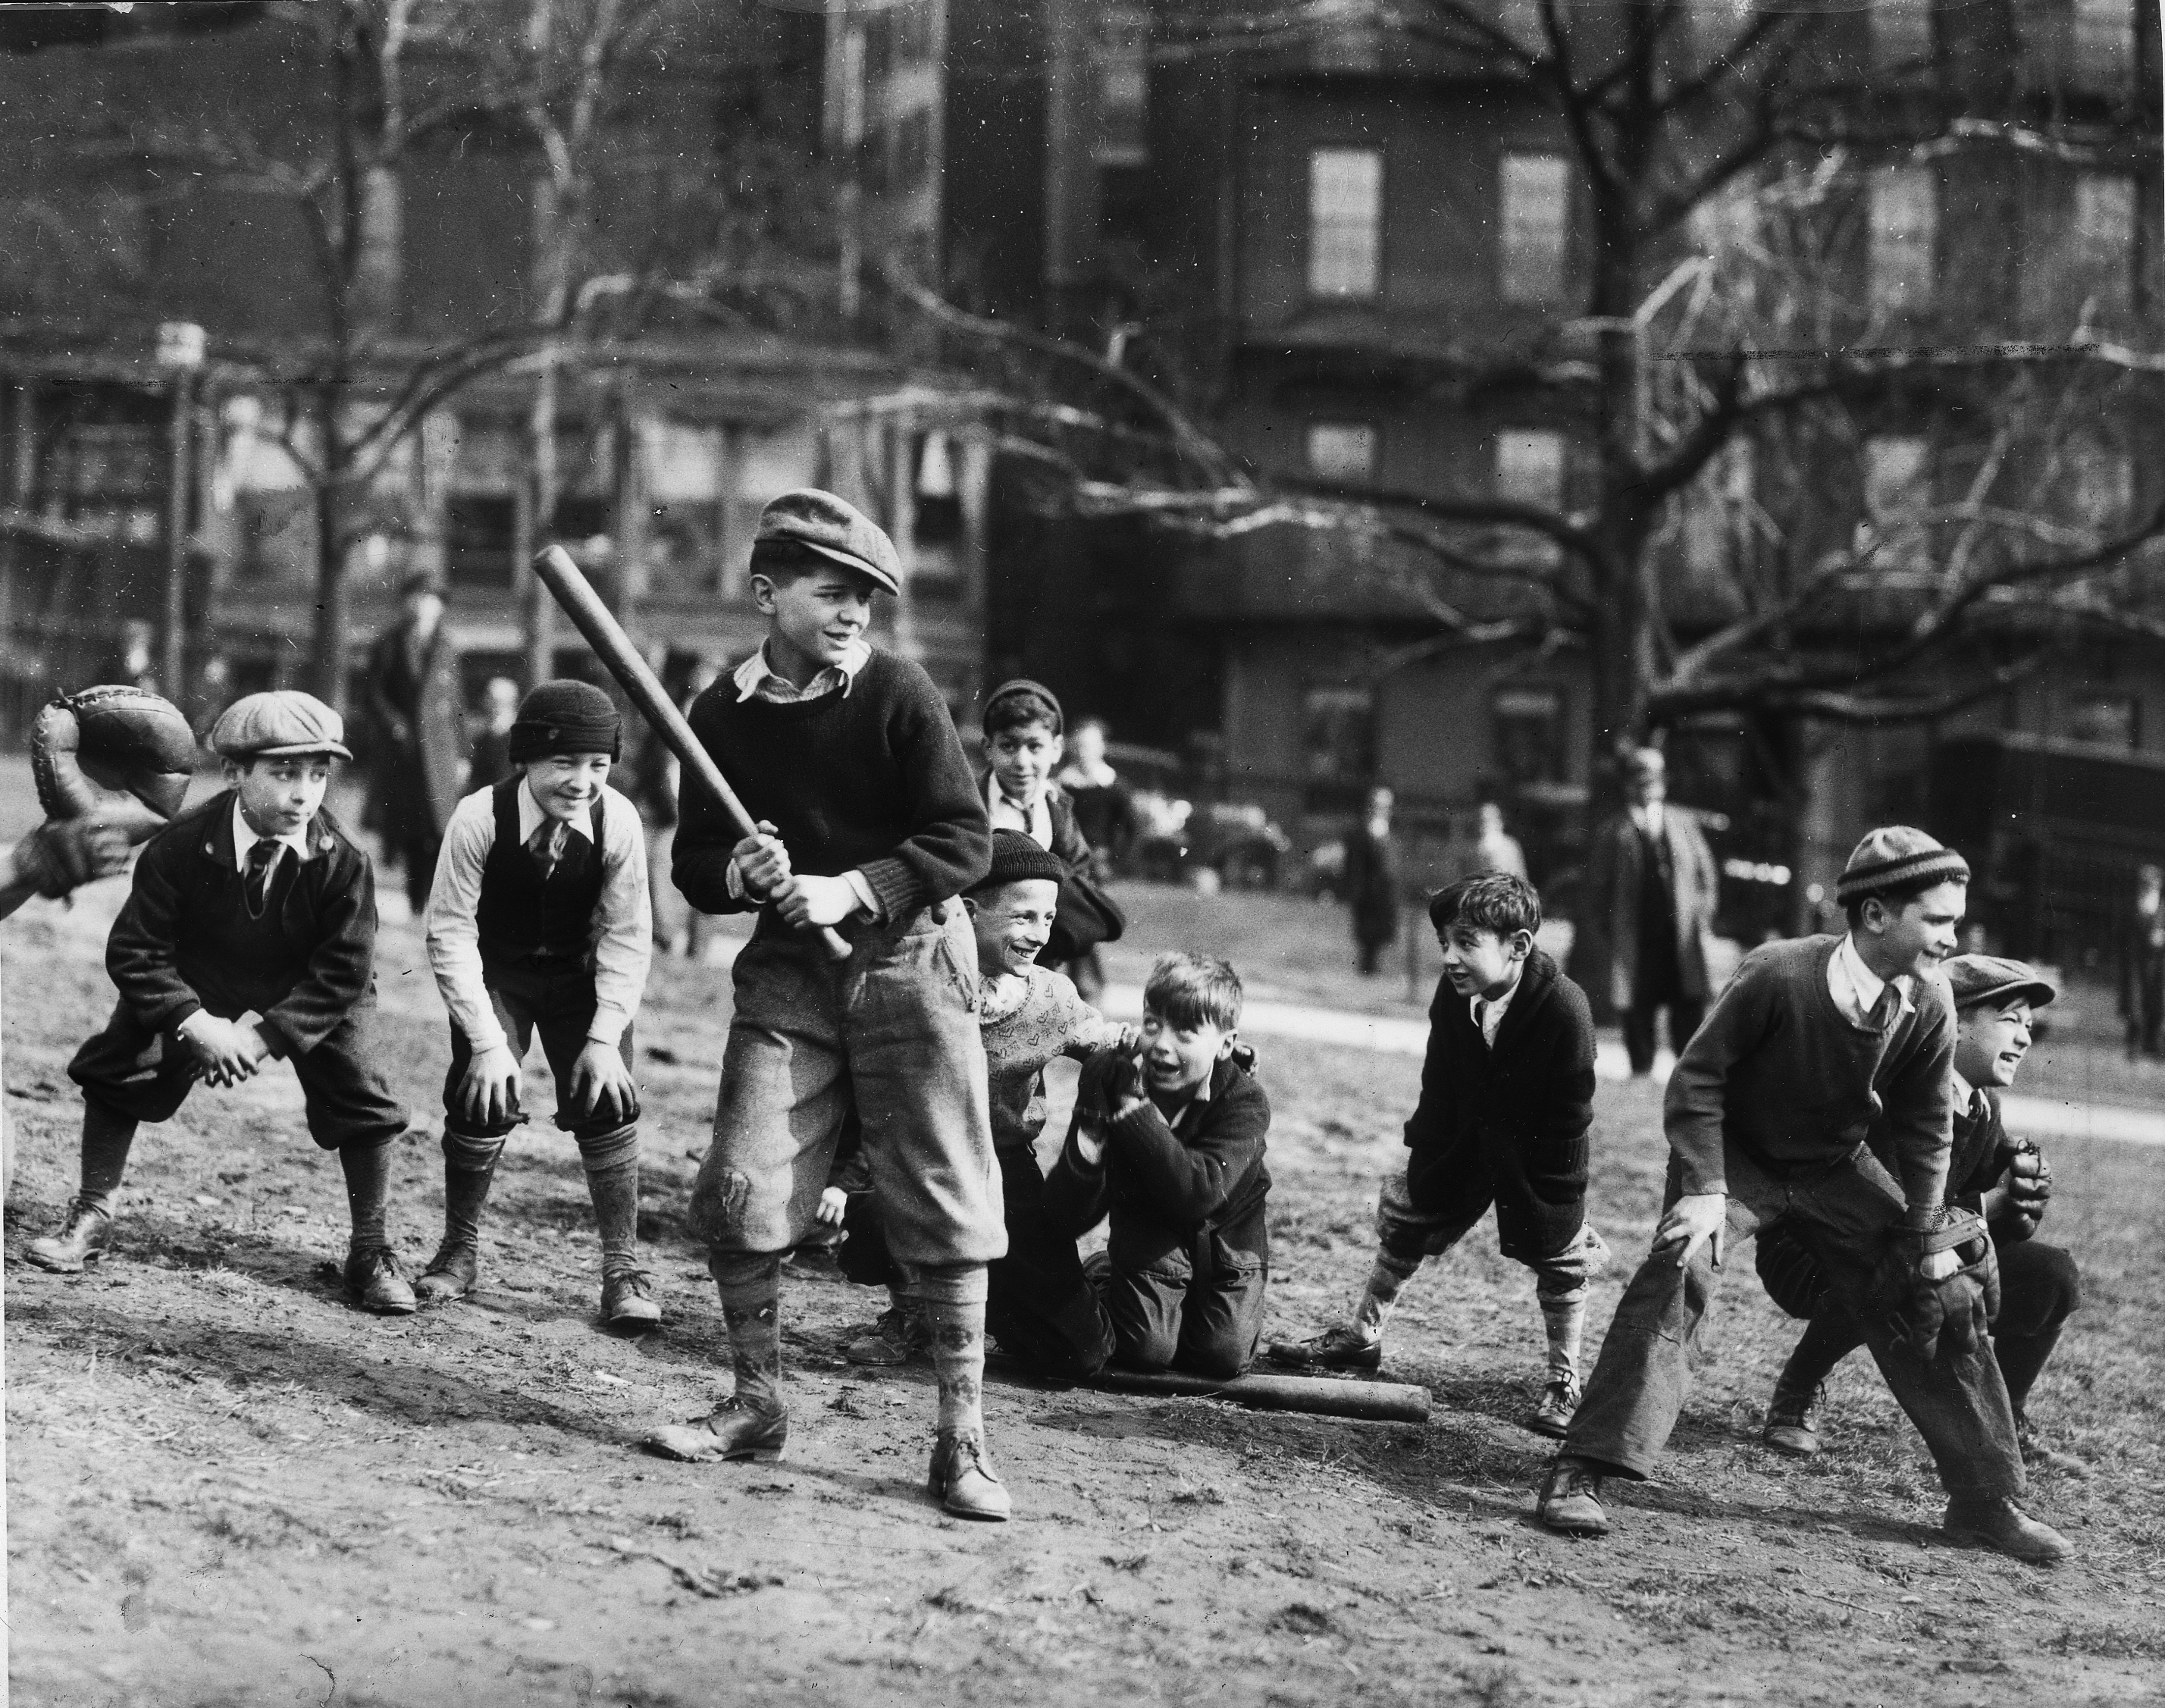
248, 934
1506, 1100
538, 921
1168, 1147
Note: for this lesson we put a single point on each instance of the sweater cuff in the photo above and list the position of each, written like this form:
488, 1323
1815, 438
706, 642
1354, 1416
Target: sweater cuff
898, 890
1136, 1123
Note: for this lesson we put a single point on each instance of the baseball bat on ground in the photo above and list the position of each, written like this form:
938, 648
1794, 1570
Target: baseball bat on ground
613, 648
1331, 1397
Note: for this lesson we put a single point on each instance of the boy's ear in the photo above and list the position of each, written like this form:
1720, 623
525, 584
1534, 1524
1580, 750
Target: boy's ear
970, 905
233, 770
1225, 1044
762, 592
1519, 945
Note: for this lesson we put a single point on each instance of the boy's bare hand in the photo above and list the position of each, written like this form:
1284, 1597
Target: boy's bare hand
223, 1056
488, 1090
833, 1201
600, 1073
1694, 1219
806, 900
762, 862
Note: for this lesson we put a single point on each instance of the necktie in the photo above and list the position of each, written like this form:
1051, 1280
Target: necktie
547, 845
262, 861
1885, 1011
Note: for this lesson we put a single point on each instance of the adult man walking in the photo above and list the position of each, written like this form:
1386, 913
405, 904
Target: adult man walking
421, 745
1652, 888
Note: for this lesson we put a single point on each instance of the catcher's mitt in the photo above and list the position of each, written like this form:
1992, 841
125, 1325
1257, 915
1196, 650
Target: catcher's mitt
1958, 1304
1110, 1078
115, 757
2029, 1190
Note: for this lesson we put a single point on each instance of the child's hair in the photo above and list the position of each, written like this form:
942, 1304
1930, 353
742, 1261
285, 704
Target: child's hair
1894, 898
1494, 902
1192, 990
1018, 709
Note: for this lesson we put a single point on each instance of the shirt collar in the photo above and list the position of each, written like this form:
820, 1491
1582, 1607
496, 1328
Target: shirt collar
1965, 1093
756, 670
1497, 1005
1864, 983
245, 837
531, 814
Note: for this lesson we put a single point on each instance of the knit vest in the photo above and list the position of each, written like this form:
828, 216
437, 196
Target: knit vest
523, 916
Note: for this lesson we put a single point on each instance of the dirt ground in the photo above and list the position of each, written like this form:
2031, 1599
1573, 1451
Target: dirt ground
224, 1486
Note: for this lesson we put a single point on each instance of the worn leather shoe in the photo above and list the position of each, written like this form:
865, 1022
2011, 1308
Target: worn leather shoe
628, 1300
80, 1240
1792, 1423
2001, 1524
451, 1274
1559, 1401
375, 1282
962, 1478
1340, 1348
733, 1430
1571, 1498
898, 1336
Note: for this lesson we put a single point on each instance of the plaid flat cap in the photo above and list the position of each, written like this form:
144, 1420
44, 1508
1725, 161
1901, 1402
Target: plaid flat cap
281, 723
1981, 978
834, 529
1894, 856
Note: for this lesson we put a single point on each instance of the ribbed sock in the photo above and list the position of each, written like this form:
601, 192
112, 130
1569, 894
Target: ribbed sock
1387, 1279
368, 1192
751, 1310
612, 1165
952, 1297
107, 1137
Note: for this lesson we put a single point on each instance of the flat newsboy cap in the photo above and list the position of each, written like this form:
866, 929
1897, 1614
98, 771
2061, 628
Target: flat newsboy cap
1016, 859
564, 717
1995, 978
834, 529
1894, 856
281, 723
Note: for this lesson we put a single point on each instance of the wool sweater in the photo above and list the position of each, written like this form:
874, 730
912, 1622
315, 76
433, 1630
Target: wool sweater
1051, 1019
1525, 1105
873, 780
184, 942
1777, 1071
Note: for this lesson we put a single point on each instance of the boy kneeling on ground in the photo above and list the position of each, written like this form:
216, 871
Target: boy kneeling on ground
1168, 1147
1506, 1100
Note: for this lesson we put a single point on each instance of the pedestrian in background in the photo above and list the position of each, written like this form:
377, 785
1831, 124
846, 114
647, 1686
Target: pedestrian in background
1105, 811
2142, 963
1650, 891
1371, 880
1495, 848
421, 748
492, 743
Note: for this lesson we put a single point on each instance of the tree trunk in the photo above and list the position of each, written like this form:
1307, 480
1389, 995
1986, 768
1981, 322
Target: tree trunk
327, 662
537, 518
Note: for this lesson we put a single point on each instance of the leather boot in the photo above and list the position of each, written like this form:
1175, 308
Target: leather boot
469, 1170
375, 1282
962, 1480
80, 1240
1571, 1498
734, 1430
1998, 1522
1338, 1348
1793, 1422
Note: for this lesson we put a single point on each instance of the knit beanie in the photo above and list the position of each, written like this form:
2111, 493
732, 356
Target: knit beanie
566, 717
1023, 685
1894, 856
1016, 859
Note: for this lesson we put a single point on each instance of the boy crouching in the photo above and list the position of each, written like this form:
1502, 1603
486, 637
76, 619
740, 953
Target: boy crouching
539, 922
1169, 1148
248, 934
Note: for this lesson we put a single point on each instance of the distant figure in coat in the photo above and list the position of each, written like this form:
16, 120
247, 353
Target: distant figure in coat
491, 744
421, 744
2142, 964
1650, 892
1104, 805
1495, 848
1371, 880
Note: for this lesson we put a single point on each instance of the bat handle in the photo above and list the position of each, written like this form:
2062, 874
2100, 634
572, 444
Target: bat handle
835, 943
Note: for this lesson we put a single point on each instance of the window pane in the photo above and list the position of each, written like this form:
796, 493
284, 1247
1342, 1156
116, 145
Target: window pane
1342, 449
1905, 230
2101, 482
1895, 476
1345, 222
1122, 67
1530, 467
1716, 25
2105, 237
1338, 746
2104, 43
1901, 33
1534, 229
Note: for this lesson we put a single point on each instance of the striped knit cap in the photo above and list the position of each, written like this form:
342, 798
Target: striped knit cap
1894, 856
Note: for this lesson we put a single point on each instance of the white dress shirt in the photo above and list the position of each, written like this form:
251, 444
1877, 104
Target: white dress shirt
623, 947
1035, 820
1647, 816
1856, 989
246, 836
1489, 1012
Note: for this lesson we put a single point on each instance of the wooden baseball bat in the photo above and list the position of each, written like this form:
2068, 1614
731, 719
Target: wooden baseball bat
613, 648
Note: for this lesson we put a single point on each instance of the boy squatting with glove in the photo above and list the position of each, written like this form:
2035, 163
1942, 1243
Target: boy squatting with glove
1816, 1042
539, 920
1169, 1149
1041, 1309
2004, 1179
848, 757
249, 933
1506, 1100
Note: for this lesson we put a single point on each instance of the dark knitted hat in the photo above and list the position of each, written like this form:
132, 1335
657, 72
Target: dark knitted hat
1017, 860
1022, 685
1894, 856
566, 717
1978, 978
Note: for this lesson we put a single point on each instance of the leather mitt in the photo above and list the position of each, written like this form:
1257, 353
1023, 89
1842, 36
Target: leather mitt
1929, 1306
1110, 1078
112, 756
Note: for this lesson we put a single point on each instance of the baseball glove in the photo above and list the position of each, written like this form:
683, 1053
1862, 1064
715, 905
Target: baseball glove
114, 756
2029, 1190
1929, 1305
1110, 1078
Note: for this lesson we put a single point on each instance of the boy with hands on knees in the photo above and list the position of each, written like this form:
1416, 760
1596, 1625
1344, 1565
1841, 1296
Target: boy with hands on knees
538, 921
248, 934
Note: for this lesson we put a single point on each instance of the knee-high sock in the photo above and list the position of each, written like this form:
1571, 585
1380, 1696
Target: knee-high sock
612, 1165
469, 1169
752, 1309
106, 1139
953, 1297
367, 1192
1829, 1338
1387, 1279
2022, 1360
1564, 1316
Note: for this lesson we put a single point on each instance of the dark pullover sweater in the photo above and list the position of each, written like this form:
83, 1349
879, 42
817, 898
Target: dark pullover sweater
874, 779
1779, 1071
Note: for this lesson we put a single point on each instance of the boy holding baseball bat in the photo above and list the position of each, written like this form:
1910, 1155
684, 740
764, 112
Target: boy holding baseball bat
870, 825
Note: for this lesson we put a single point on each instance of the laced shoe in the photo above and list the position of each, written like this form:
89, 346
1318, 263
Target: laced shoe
1792, 1423
80, 1240
1338, 1348
451, 1274
1997, 1522
734, 1430
1559, 1402
898, 1336
628, 1300
375, 1282
962, 1480
1571, 1498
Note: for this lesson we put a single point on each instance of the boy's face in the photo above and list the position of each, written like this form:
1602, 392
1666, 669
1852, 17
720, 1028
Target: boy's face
1921, 934
1991, 1040
817, 614
564, 785
1478, 962
1178, 1059
1023, 758
1013, 923
279, 796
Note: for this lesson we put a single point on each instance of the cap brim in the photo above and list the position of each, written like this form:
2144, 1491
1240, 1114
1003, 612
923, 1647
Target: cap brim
336, 750
879, 578
2036, 990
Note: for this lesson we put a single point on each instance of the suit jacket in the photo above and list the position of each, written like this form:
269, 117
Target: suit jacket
1616, 868
419, 715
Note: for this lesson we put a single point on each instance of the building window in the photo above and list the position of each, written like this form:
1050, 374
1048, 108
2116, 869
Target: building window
1526, 727
2104, 43
1345, 222
1897, 476
1716, 25
1122, 56
2104, 246
1530, 467
1905, 234
1342, 451
2100, 485
2113, 721
477, 540
1338, 747
1534, 227
1901, 33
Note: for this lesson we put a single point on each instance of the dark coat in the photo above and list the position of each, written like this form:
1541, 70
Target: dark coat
1372, 885
1614, 868
168, 953
1513, 1118
418, 717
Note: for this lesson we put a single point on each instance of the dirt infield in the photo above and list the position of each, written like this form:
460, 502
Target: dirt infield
226, 1487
